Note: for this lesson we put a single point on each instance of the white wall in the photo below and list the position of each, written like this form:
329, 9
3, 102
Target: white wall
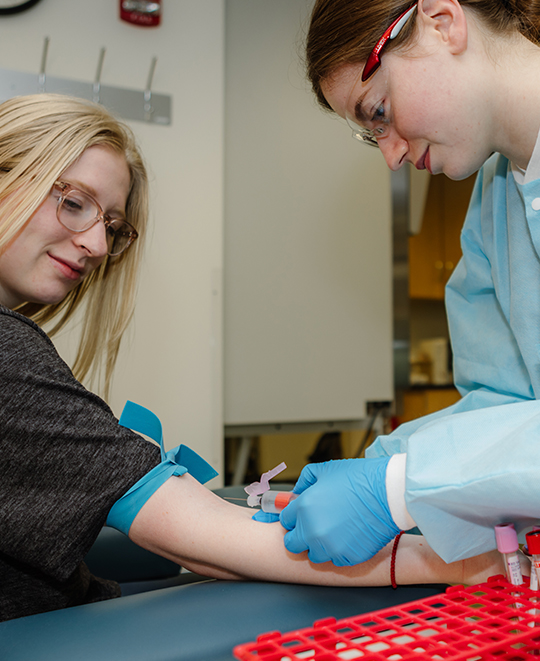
172, 361
308, 252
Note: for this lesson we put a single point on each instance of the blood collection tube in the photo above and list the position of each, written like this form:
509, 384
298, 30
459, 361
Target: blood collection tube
507, 544
274, 501
533, 546
533, 584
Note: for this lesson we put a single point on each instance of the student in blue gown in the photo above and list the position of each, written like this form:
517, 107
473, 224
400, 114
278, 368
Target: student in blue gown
453, 87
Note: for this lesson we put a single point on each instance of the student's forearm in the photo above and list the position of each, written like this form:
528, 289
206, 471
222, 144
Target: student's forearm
188, 524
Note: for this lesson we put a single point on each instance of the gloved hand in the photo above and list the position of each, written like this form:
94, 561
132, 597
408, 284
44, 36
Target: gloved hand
342, 513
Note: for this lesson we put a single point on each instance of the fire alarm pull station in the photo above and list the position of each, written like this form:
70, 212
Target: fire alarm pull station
141, 12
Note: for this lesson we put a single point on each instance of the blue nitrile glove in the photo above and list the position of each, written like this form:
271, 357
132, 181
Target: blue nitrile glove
342, 514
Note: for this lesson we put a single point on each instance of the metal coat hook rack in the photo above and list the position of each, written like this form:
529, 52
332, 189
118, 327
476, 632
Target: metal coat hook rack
137, 105
96, 90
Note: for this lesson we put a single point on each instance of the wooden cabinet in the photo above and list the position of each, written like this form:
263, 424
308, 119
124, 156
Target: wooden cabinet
435, 251
418, 402
433, 255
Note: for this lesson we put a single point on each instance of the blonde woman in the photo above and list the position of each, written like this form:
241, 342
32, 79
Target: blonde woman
73, 211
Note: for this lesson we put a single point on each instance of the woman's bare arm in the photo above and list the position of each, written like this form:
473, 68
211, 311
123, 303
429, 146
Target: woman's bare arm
187, 523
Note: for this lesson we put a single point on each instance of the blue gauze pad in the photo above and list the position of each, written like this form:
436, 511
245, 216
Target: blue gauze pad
178, 461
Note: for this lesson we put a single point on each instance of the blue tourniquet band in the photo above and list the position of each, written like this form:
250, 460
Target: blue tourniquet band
178, 461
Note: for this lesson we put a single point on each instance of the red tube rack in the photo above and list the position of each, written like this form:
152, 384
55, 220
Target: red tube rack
487, 622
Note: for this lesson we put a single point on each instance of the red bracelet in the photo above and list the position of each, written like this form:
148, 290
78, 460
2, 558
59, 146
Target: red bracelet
393, 560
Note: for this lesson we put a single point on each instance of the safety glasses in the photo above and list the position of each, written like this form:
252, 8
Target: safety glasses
368, 129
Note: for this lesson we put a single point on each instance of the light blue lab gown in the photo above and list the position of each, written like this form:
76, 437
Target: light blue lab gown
477, 463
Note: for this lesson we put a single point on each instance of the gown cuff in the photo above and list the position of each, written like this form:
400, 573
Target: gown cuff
395, 491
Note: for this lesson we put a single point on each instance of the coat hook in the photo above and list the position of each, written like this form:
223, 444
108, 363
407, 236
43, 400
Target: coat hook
97, 81
148, 91
41, 78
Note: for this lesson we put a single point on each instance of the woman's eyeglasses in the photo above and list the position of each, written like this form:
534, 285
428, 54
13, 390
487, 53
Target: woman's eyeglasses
78, 211
365, 134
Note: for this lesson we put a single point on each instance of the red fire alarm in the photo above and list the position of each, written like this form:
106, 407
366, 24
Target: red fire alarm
145, 13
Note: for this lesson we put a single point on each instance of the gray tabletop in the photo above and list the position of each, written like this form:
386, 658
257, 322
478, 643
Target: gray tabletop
194, 622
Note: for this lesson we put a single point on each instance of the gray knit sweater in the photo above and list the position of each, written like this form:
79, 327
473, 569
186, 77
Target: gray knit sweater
64, 461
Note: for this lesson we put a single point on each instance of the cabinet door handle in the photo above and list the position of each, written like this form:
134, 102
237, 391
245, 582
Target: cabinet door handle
449, 266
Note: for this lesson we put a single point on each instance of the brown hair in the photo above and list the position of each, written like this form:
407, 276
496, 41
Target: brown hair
345, 31
40, 137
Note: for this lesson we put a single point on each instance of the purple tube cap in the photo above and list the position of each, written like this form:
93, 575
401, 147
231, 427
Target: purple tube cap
506, 536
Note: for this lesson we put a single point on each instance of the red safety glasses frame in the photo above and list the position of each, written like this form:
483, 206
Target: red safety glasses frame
374, 59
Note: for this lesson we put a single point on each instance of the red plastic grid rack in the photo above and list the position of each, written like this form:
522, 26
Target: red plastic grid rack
491, 621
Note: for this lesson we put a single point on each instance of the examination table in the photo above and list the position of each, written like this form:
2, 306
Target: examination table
168, 615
